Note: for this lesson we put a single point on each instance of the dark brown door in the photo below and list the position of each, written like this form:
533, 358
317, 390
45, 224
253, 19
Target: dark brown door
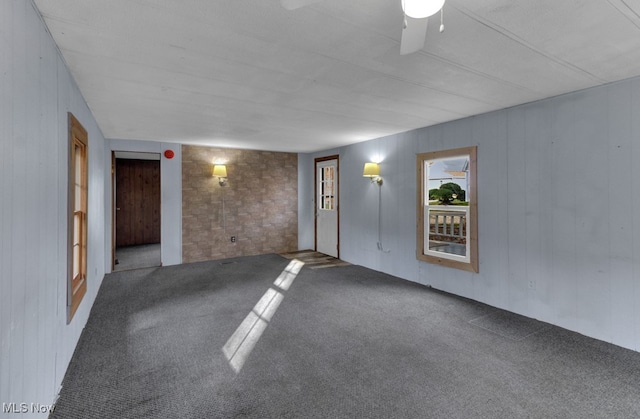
137, 202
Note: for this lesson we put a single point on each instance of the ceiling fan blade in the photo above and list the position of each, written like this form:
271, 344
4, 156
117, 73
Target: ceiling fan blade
413, 35
296, 4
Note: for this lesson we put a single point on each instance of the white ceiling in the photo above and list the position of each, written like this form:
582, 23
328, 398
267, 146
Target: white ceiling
250, 74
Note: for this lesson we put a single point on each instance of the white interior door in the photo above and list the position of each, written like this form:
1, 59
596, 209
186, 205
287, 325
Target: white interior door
327, 207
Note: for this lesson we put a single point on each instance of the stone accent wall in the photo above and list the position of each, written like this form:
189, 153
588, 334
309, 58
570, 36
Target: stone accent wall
260, 203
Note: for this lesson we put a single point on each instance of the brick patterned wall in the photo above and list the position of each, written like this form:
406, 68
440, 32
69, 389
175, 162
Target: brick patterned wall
260, 203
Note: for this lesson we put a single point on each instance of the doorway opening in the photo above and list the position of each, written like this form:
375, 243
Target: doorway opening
327, 206
136, 210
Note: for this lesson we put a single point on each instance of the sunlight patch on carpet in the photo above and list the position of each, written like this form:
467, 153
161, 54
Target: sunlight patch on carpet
241, 343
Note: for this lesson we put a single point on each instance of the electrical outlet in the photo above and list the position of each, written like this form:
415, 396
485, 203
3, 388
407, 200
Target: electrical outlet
233, 239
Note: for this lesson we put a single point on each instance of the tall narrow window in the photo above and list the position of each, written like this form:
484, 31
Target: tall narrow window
447, 209
78, 165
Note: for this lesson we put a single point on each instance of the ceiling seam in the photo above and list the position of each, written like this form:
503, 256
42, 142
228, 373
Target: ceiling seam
505, 32
211, 105
635, 22
425, 86
477, 72
436, 57
448, 61
404, 80
379, 72
343, 61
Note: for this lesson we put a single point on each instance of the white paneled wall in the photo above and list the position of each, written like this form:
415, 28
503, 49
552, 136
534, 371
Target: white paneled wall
36, 93
558, 207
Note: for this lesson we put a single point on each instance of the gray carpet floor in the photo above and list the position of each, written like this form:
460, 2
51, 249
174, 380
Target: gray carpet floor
345, 342
136, 257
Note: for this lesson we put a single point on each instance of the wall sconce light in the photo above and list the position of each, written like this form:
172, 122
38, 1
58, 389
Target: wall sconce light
372, 171
220, 170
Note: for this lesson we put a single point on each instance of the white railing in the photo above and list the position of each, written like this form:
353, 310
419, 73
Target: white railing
446, 231
448, 223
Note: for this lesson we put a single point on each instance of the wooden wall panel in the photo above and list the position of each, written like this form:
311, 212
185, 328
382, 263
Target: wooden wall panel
562, 197
516, 223
634, 201
138, 200
260, 203
620, 145
591, 213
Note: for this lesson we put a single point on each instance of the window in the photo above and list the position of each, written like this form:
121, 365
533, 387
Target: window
77, 263
326, 199
447, 208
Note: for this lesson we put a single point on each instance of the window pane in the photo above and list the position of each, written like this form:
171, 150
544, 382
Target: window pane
328, 203
329, 188
76, 229
447, 231
77, 193
76, 261
77, 155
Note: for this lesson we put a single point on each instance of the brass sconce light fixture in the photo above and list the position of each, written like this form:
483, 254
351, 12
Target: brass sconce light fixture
372, 171
220, 170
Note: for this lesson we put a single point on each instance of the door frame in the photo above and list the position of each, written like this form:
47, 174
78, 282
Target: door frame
113, 210
317, 160
127, 154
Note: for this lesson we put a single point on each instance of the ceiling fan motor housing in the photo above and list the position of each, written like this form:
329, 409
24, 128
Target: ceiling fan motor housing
420, 9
